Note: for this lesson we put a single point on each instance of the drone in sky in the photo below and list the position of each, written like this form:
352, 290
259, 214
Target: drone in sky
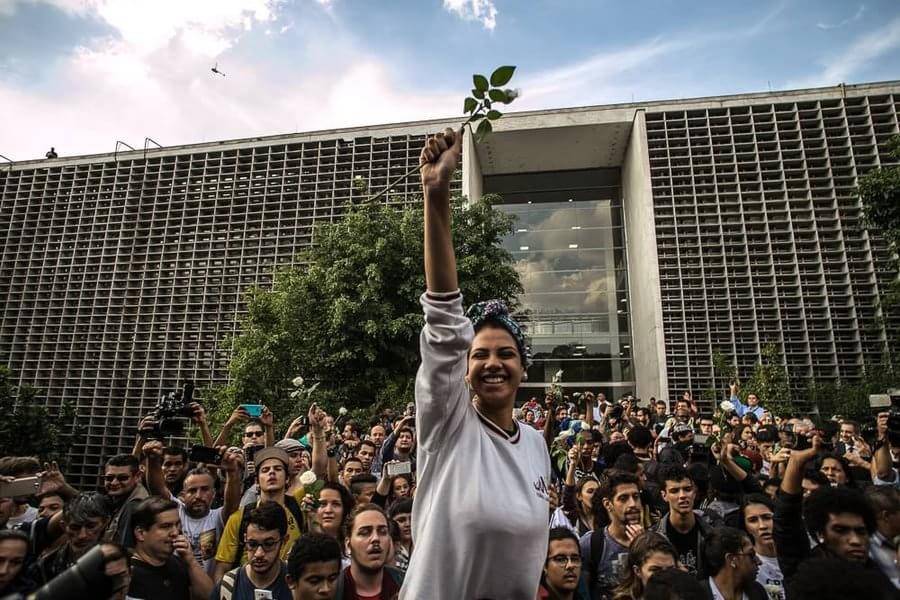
216, 70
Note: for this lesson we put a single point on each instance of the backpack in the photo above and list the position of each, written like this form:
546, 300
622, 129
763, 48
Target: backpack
226, 590
289, 503
229, 581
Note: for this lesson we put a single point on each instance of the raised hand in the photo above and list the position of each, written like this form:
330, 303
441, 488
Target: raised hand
267, 418
439, 159
153, 450
52, 479
198, 413
238, 415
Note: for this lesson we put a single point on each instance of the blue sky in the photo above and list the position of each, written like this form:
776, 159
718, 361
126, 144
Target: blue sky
81, 74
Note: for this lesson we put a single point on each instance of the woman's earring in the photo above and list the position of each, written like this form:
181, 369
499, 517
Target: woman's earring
525, 377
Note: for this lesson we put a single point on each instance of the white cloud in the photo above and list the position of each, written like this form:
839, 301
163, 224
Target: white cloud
157, 83
474, 10
856, 17
848, 63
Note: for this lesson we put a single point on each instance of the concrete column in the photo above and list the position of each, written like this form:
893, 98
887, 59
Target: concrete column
649, 349
472, 183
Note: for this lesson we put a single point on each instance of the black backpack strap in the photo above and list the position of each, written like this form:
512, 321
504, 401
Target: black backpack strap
242, 530
292, 505
598, 545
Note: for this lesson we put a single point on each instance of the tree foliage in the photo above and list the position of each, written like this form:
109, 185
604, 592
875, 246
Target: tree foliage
879, 191
28, 428
347, 314
770, 382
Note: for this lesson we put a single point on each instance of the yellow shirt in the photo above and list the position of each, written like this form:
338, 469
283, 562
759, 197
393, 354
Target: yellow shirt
228, 544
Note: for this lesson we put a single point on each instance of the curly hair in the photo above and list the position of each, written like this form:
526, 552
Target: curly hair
827, 501
312, 548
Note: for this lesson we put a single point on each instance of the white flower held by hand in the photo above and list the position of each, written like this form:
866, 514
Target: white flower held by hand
726, 406
558, 377
297, 381
307, 478
342, 411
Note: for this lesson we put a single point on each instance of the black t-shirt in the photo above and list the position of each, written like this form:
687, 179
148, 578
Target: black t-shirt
169, 581
687, 545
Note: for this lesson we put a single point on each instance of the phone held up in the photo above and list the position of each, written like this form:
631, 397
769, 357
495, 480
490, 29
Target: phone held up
204, 454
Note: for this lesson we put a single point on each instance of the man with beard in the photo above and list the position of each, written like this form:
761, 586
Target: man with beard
682, 526
84, 520
604, 551
201, 524
758, 511
122, 482
163, 565
369, 543
264, 572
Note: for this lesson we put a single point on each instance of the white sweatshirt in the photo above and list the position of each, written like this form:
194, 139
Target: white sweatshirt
479, 520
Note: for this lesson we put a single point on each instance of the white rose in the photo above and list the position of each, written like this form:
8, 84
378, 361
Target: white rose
297, 381
307, 478
558, 376
726, 406
342, 411
295, 394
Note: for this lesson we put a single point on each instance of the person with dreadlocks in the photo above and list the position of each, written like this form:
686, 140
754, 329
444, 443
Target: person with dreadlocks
482, 478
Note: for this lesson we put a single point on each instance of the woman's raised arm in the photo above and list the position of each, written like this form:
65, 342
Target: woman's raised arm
438, 161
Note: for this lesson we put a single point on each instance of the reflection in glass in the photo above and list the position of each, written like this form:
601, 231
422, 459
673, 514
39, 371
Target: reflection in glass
571, 258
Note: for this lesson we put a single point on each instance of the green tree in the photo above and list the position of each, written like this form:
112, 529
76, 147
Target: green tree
28, 428
879, 192
347, 314
770, 383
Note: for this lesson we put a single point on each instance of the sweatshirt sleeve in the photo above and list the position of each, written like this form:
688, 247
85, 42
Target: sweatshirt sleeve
791, 540
441, 393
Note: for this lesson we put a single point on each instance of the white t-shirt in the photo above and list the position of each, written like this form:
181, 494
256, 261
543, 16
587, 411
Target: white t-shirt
770, 577
203, 534
30, 514
479, 489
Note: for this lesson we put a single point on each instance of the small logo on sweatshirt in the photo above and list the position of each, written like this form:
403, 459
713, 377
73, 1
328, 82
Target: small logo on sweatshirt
540, 486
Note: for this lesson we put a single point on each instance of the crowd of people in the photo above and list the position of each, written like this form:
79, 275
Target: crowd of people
465, 496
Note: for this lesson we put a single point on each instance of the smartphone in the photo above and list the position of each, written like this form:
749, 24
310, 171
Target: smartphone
26, 486
400, 468
204, 454
254, 410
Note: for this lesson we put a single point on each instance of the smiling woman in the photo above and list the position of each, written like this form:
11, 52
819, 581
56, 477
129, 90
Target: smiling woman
471, 452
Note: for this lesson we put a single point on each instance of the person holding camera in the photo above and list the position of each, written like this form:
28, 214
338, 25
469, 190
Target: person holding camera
465, 391
200, 523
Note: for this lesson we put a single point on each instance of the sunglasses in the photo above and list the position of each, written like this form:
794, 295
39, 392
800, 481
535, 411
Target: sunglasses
267, 545
121, 478
253, 434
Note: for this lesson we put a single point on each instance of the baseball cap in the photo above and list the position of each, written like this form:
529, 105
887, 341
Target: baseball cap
681, 429
272, 452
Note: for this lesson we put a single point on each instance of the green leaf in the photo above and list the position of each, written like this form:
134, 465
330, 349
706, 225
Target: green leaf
499, 96
478, 93
493, 115
502, 75
481, 83
484, 130
476, 117
469, 105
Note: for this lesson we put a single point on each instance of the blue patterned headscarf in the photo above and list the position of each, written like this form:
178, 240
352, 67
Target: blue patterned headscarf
496, 311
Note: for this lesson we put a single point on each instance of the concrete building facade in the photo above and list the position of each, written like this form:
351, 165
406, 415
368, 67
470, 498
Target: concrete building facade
649, 236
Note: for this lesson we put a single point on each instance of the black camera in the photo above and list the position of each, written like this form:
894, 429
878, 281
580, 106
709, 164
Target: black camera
168, 413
